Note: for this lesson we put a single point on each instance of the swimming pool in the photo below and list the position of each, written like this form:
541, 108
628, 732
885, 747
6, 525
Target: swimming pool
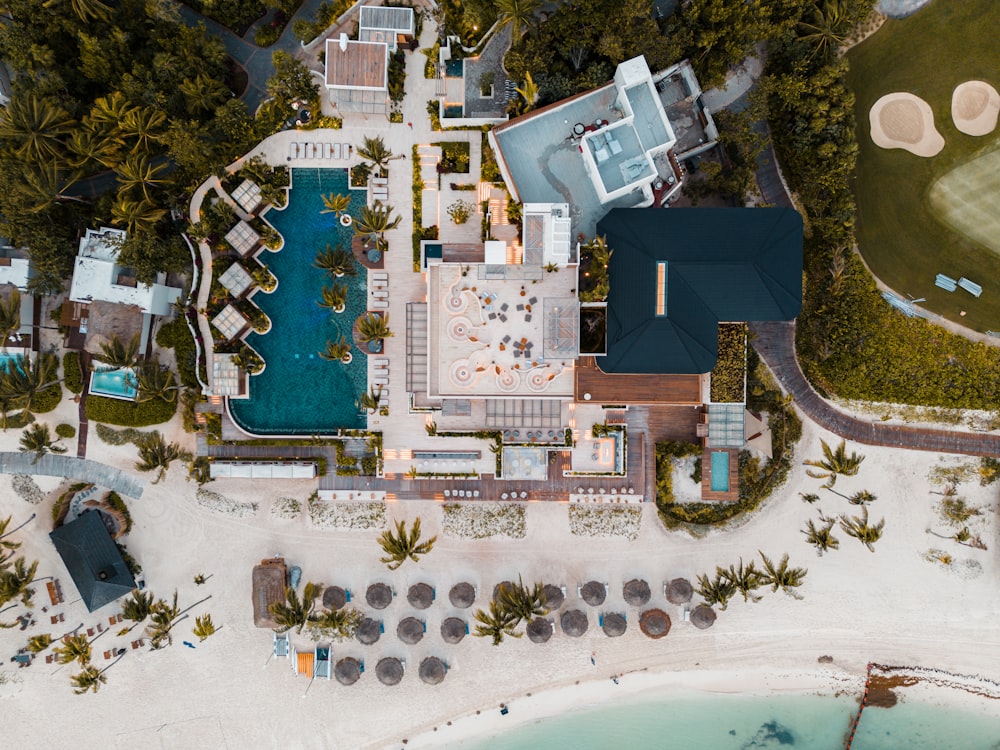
114, 383
453, 68
299, 393
720, 471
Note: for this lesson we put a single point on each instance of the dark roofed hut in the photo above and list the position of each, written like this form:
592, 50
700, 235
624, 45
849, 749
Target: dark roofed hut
96, 565
334, 597
432, 670
462, 595
554, 597
539, 630
574, 623
614, 625
679, 591
594, 593
453, 630
378, 596
636, 592
389, 670
703, 617
410, 630
654, 623
420, 595
368, 631
347, 671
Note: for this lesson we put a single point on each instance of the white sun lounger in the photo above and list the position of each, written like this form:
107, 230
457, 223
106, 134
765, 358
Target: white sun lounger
325, 148
380, 304
380, 381
970, 286
293, 151
380, 294
382, 362
335, 153
310, 150
380, 275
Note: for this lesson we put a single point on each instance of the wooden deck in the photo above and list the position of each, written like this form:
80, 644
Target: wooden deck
679, 423
627, 388
733, 493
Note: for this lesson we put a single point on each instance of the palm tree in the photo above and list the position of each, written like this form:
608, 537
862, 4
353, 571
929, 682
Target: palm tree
859, 528
155, 454
91, 143
203, 627
374, 221
34, 127
91, 678
528, 92
522, 602
830, 24
373, 327
108, 112
45, 184
136, 215
336, 204
37, 439
10, 315
138, 607
15, 582
73, 648
339, 351
334, 623
334, 298
809, 497
153, 381
138, 172
22, 379
820, 537
780, 576
85, 10
403, 546
203, 93
375, 151
38, 643
717, 591
293, 612
835, 462
338, 262
745, 579
7, 545
145, 125
162, 616
862, 498
518, 14
496, 624
369, 401
118, 354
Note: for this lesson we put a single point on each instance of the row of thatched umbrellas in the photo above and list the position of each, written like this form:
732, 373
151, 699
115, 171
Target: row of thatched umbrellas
389, 670
411, 630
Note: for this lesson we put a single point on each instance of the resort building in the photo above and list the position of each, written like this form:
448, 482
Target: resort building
395, 26
357, 75
93, 560
15, 267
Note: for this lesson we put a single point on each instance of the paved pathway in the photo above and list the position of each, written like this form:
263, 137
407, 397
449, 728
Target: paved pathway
775, 342
72, 468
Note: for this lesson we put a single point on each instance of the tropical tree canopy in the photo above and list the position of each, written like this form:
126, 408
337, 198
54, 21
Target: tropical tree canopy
403, 545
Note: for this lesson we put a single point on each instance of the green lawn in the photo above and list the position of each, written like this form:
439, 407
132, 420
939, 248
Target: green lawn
903, 236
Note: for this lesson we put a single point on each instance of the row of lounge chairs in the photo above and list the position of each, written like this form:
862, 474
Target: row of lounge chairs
301, 150
950, 285
380, 374
379, 291
380, 189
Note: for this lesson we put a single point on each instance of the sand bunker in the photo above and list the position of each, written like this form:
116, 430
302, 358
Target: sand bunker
901, 120
975, 106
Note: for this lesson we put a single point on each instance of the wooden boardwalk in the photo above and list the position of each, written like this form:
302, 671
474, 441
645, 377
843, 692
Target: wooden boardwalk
625, 388
775, 342
72, 468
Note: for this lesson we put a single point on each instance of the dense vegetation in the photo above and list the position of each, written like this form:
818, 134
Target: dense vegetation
730, 368
129, 413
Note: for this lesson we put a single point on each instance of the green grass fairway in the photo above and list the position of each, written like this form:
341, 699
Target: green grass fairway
905, 236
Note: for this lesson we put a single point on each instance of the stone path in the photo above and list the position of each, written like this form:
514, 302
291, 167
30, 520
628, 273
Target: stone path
73, 468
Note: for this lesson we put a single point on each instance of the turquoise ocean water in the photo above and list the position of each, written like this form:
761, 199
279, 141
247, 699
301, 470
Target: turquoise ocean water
733, 722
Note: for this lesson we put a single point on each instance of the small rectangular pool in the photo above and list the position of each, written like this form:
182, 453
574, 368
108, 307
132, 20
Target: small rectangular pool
453, 68
118, 383
720, 471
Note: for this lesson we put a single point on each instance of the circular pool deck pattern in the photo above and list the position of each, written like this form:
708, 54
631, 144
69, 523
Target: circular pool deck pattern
975, 106
902, 120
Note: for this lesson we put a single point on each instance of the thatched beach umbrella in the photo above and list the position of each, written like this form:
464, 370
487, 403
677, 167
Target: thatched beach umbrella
594, 593
636, 592
554, 597
655, 623
334, 597
462, 595
432, 670
420, 595
539, 630
389, 670
347, 671
368, 631
410, 630
378, 596
679, 591
703, 617
496, 589
574, 623
614, 625
453, 630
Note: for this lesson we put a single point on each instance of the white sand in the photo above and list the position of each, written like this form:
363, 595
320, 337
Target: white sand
975, 106
903, 120
891, 607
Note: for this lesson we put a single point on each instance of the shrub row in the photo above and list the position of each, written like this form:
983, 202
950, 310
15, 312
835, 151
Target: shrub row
128, 413
72, 374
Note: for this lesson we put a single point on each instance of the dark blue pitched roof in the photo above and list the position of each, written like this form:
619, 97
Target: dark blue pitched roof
93, 560
722, 264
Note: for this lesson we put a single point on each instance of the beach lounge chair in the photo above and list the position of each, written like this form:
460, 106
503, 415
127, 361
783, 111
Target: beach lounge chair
293, 151
382, 362
380, 304
970, 286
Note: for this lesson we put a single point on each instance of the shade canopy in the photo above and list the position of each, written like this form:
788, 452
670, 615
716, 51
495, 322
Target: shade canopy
389, 670
703, 617
368, 631
93, 560
334, 597
594, 593
679, 591
410, 630
539, 630
378, 596
420, 596
453, 630
636, 592
432, 670
654, 623
347, 671
614, 625
496, 589
574, 623
462, 595
554, 597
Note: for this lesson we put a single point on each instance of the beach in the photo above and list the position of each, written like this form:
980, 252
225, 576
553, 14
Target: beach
894, 606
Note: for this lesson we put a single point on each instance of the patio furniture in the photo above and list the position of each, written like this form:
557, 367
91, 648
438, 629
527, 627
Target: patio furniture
527, 318
520, 308
533, 300
504, 307
336, 151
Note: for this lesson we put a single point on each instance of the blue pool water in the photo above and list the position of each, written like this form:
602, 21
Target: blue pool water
453, 68
739, 722
299, 393
720, 471
114, 383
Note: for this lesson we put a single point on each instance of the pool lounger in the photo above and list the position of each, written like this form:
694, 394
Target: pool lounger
380, 381
380, 275
380, 294
380, 304
384, 362
325, 150
310, 150
293, 151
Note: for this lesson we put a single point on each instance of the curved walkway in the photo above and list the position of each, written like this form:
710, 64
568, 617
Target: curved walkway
775, 343
72, 468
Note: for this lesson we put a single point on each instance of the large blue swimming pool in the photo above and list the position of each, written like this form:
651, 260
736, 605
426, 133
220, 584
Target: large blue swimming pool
299, 393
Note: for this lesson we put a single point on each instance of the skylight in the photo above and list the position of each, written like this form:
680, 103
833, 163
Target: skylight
661, 288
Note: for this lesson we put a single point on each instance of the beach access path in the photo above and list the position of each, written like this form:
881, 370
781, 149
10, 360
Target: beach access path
12, 462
